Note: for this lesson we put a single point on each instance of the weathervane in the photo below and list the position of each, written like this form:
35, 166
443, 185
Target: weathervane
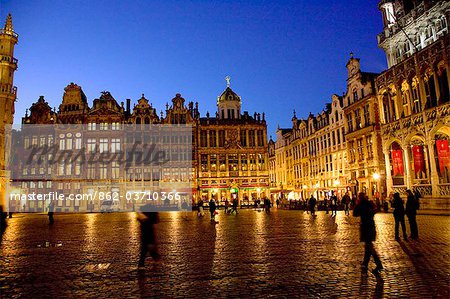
227, 78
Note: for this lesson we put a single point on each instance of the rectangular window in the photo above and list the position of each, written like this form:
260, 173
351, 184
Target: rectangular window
260, 138
212, 138
366, 115
350, 122
204, 162
203, 138
251, 138
244, 162
213, 162
92, 126
91, 145
115, 126
358, 118
360, 149
369, 147
232, 162
103, 145
261, 162
115, 145
243, 138
252, 162
222, 162
221, 138
103, 126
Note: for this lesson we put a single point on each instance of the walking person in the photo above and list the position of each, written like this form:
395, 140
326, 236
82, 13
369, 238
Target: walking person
366, 210
200, 208
312, 205
346, 201
51, 210
334, 204
212, 209
412, 205
267, 204
278, 202
234, 206
227, 204
148, 220
325, 204
399, 216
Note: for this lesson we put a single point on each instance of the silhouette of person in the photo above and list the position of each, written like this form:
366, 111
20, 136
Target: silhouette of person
148, 220
399, 215
51, 210
366, 210
412, 204
312, 205
212, 209
346, 201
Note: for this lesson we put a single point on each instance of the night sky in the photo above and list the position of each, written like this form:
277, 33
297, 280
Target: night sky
281, 55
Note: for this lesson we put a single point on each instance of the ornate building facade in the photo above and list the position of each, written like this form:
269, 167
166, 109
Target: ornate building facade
396, 124
228, 157
413, 96
8, 95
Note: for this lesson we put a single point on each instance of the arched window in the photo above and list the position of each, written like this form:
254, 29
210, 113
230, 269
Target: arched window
406, 99
138, 120
443, 85
430, 91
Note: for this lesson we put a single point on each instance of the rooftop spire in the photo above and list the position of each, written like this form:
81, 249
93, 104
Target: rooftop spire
8, 24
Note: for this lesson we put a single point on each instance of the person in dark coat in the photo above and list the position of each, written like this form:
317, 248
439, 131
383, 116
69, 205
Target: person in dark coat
334, 204
212, 209
148, 220
312, 205
399, 216
366, 210
346, 201
51, 211
412, 205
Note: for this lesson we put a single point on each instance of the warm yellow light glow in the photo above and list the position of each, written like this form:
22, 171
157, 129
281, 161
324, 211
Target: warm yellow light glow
336, 183
376, 176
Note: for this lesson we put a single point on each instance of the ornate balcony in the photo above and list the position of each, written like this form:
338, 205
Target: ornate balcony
9, 59
3, 31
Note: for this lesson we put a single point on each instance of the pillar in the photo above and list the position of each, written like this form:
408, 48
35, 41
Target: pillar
434, 173
406, 151
388, 171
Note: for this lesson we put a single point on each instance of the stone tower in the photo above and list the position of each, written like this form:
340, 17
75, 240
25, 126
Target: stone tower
8, 94
229, 104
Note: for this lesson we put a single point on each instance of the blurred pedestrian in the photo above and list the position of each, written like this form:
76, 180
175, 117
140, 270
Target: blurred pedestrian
346, 202
278, 202
399, 216
3, 223
333, 203
148, 219
51, 211
325, 204
227, 204
412, 205
267, 204
234, 206
212, 209
366, 210
312, 205
200, 212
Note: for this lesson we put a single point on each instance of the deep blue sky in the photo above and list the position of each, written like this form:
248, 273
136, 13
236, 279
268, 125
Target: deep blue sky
281, 55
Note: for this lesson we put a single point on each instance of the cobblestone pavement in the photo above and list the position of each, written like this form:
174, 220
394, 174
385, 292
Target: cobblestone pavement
286, 254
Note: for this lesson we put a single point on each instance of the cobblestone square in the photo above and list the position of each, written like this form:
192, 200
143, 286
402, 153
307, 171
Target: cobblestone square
286, 254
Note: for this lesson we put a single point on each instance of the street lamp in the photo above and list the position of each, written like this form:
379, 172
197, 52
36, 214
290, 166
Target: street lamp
376, 176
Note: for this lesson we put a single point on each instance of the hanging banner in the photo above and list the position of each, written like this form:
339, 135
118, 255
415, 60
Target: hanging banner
397, 162
443, 155
419, 159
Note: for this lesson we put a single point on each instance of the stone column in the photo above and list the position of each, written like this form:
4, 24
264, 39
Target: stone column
409, 171
398, 100
388, 171
433, 169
